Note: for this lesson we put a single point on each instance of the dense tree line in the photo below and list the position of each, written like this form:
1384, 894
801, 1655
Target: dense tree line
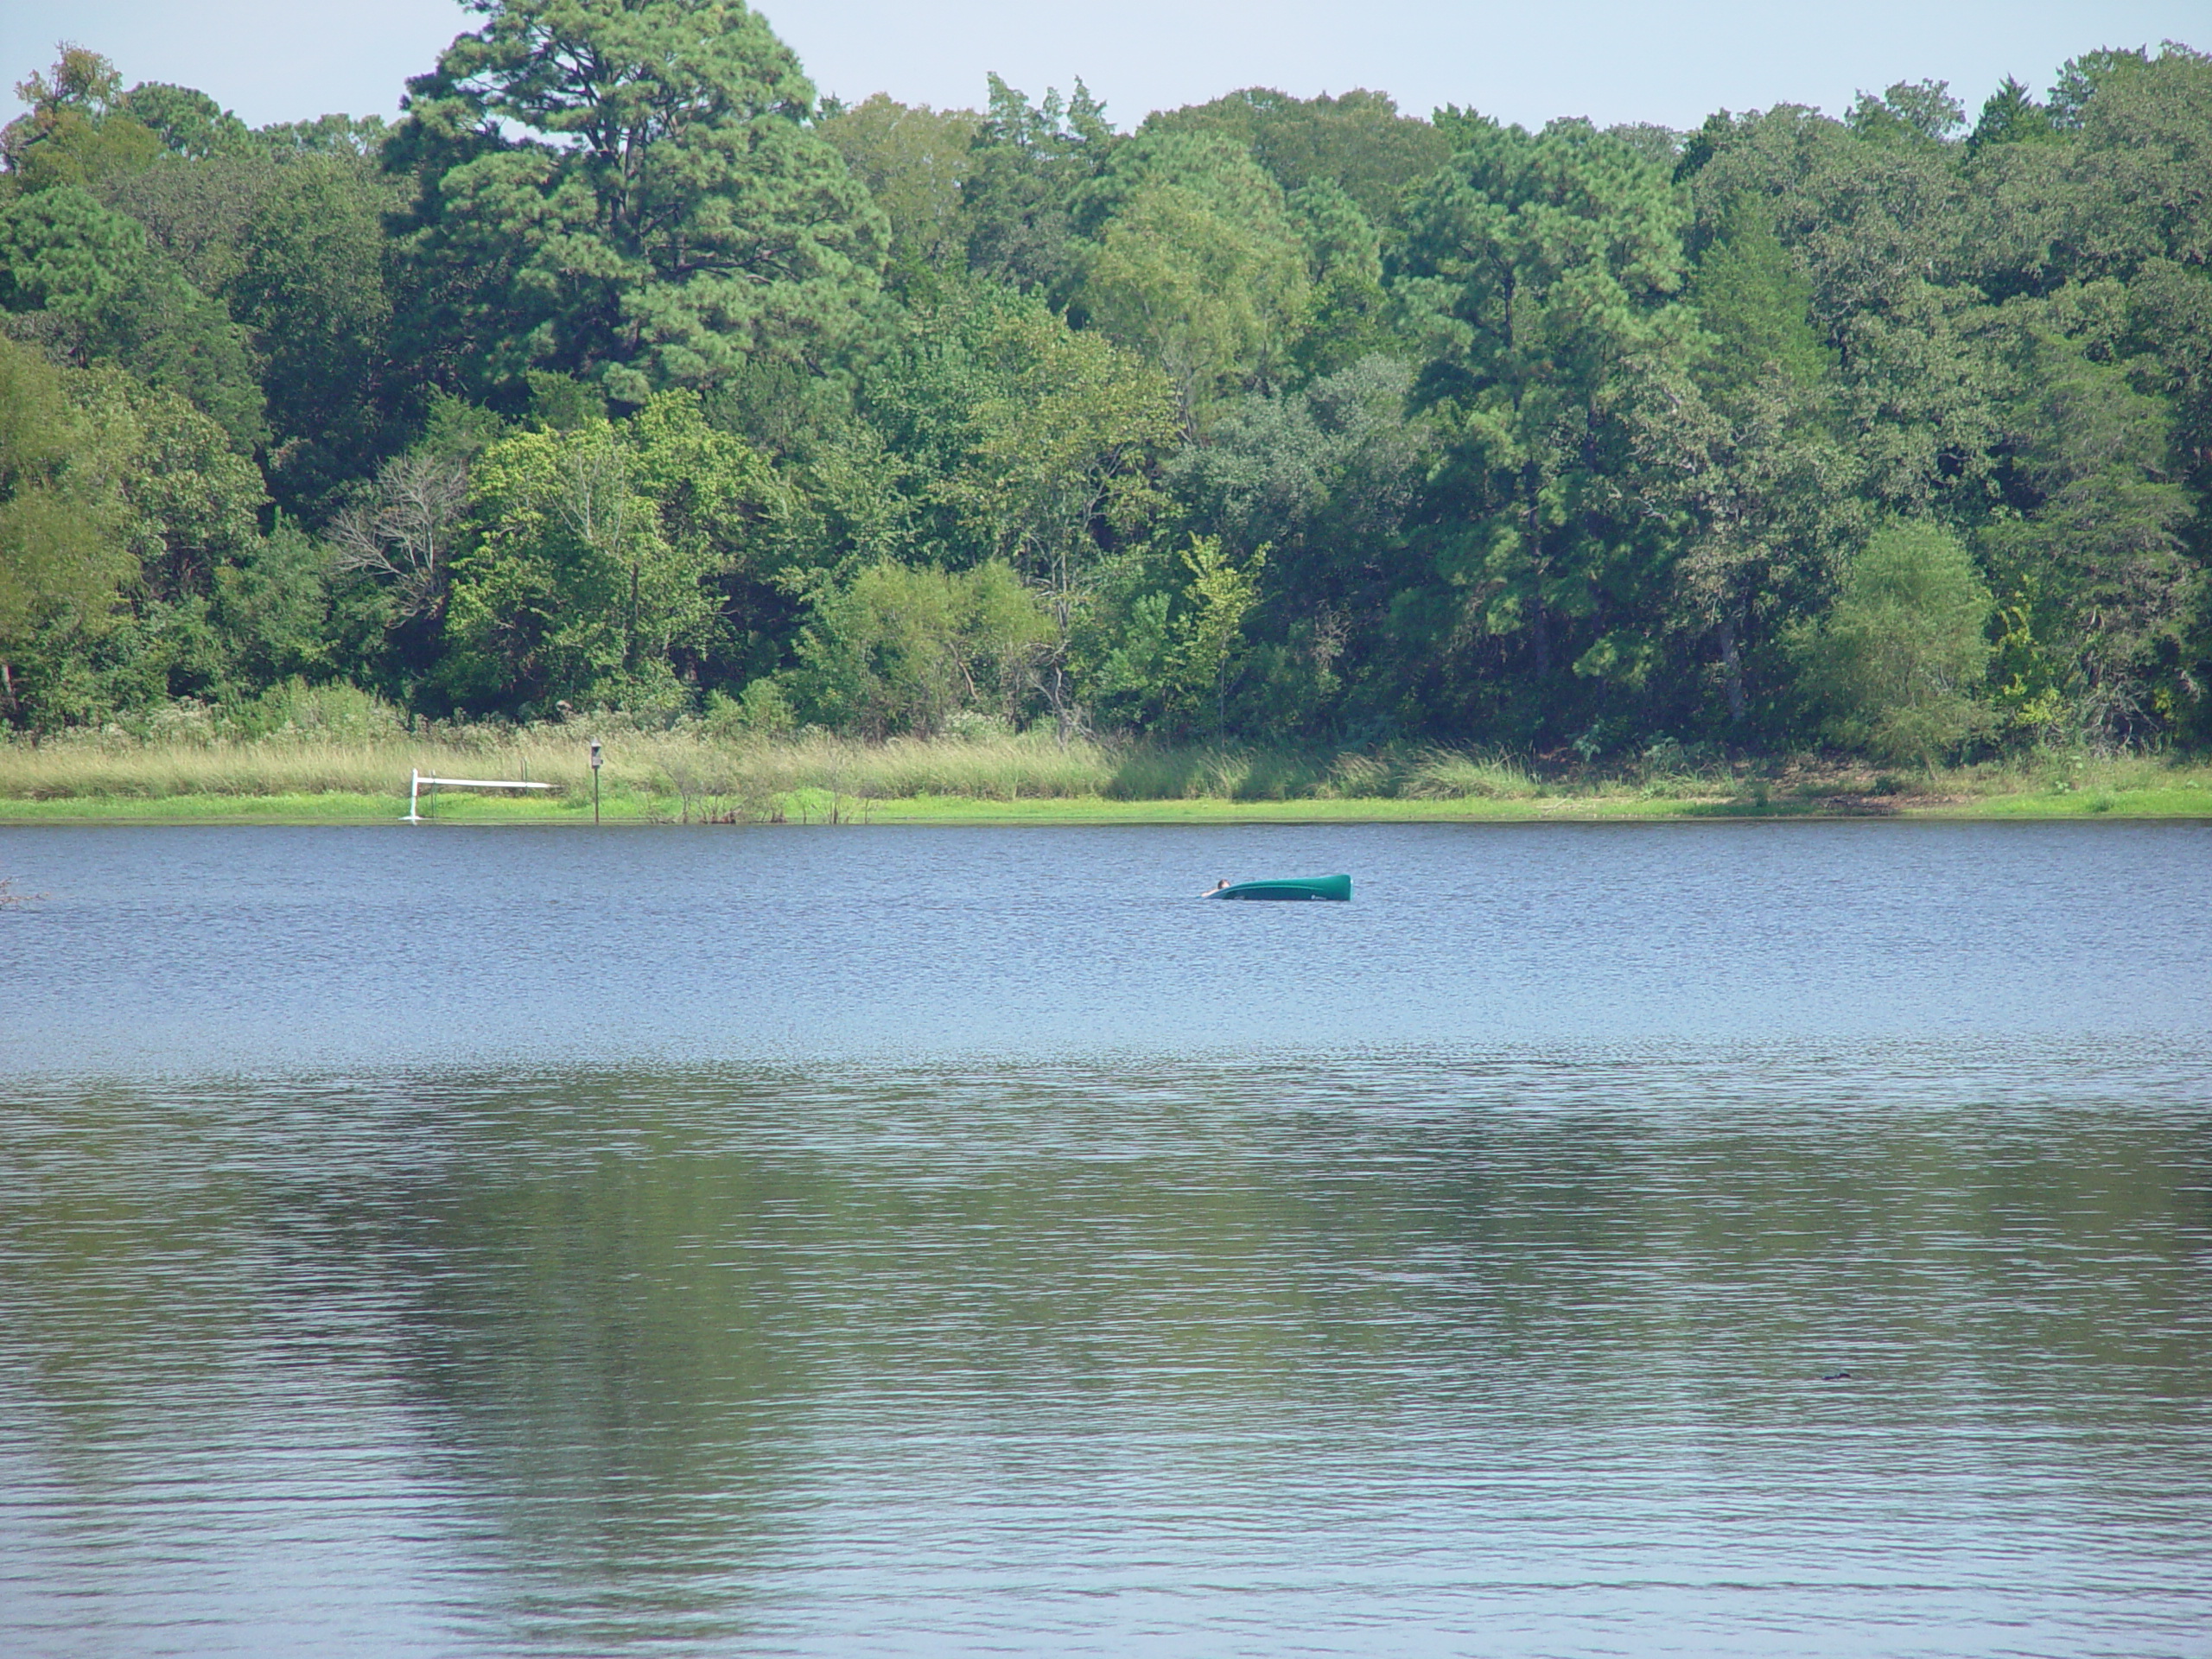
623, 371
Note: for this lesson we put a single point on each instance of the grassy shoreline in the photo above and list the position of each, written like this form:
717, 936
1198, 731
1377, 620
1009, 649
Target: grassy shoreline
2172, 806
688, 777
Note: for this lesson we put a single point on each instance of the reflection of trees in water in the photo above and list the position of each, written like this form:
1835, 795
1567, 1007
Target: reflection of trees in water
674, 1339
590, 1331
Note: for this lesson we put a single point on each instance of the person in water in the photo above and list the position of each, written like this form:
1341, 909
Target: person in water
1216, 887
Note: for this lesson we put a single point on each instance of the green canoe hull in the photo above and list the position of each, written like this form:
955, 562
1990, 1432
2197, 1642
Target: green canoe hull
1337, 888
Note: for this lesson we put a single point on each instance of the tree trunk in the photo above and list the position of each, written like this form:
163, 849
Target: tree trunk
1731, 663
1539, 626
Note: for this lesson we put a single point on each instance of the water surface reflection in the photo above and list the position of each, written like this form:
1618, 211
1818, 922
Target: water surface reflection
1733, 1241
1395, 1355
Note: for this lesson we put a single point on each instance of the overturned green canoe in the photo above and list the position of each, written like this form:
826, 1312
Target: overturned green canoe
1311, 886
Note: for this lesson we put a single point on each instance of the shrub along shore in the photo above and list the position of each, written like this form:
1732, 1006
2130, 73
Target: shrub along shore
692, 777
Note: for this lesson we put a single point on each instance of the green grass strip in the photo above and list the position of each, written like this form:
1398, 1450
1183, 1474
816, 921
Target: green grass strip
817, 807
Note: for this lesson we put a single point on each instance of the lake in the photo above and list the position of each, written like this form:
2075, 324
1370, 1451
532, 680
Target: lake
1729, 1238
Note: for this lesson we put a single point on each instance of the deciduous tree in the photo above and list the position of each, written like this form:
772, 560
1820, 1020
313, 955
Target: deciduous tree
1192, 259
77, 130
64, 550
597, 555
1898, 659
914, 160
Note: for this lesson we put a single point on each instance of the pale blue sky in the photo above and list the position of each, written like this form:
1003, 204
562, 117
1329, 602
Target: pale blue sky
1524, 59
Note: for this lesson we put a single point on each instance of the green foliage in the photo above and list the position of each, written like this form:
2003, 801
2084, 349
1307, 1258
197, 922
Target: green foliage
914, 160
1541, 271
196, 212
1195, 262
561, 402
1446, 775
1662, 147
196, 501
1166, 647
312, 287
160, 584
64, 551
2081, 78
1755, 303
1898, 659
187, 122
2011, 116
1044, 438
1219, 596
2088, 558
1294, 416
1882, 231
352, 137
83, 281
61, 252
1356, 142
78, 129
1741, 458
1010, 436
2145, 146
902, 650
666, 213
761, 709
272, 606
595, 565
1326, 477
1345, 318
193, 505
1026, 166
294, 711
1910, 112
2169, 322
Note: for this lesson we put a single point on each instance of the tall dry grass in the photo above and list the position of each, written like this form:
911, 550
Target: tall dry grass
1031, 765
692, 768
66, 771
681, 764
303, 742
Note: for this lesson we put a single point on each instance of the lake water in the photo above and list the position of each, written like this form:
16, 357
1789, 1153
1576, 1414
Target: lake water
1711, 1239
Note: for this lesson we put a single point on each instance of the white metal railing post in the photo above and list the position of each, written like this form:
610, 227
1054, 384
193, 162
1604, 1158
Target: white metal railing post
416, 779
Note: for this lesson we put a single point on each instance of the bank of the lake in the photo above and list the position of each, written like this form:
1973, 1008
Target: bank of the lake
689, 777
821, 807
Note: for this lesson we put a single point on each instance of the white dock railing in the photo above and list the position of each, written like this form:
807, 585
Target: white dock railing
419, 779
